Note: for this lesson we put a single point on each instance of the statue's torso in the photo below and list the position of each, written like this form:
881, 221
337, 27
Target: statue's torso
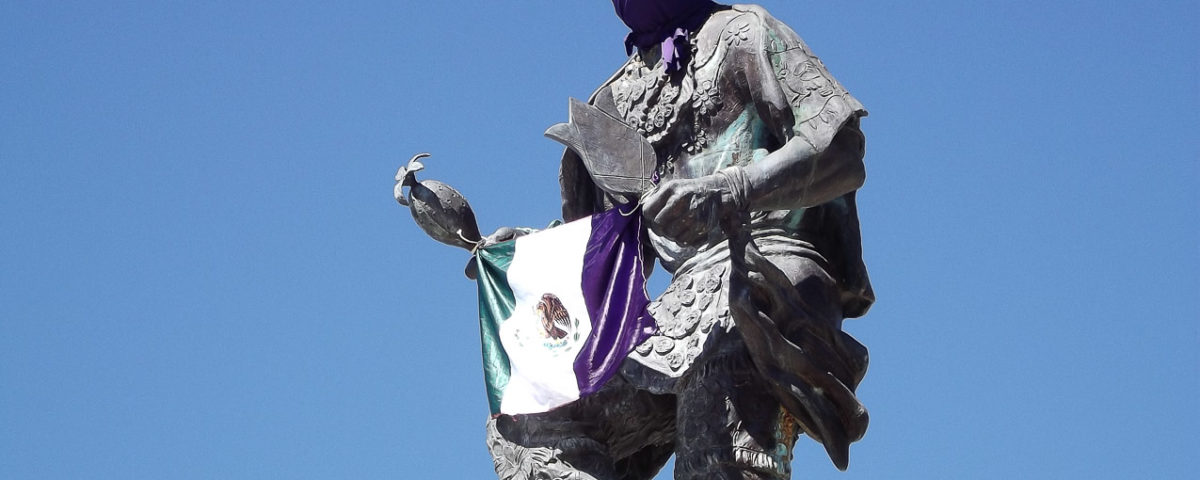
699, 121
710, 116
750, 86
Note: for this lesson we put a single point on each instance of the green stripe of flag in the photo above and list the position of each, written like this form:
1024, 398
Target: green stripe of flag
496, 304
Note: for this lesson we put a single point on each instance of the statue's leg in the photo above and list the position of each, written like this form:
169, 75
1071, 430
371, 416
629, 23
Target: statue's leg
568, 457
729, 422
618, 433
645, 463
729, 425
638, 427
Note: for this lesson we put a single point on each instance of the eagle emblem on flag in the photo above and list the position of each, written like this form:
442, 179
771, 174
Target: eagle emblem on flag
556, 321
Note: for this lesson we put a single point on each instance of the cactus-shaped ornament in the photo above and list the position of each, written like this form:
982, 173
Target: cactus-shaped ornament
438, 209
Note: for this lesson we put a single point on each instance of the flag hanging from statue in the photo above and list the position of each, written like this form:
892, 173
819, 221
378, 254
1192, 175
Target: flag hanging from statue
560, 309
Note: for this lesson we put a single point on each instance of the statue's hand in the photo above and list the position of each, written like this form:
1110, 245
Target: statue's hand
686, 210
502, 234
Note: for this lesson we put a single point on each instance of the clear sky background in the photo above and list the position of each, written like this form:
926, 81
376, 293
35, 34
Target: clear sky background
203, 273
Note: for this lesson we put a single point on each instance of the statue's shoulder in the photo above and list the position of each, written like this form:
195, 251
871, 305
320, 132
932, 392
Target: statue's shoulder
732, 26
750, 11
765, 31
758, 18
737, 30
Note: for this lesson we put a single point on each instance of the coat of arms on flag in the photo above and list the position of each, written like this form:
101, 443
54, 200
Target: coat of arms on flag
560, 309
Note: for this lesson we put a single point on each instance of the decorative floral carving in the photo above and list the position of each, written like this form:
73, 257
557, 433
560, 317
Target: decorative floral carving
737, 33
675, 360
712, 281
684, 281
663, 169
685, 316
687, 298
706, 98
674, 306
706, 101
817, 99
690, 320
647, 99
698, 143
663, 345
515, 462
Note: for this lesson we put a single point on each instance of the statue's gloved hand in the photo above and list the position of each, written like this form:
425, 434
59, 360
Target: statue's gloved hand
686, 211
502, 234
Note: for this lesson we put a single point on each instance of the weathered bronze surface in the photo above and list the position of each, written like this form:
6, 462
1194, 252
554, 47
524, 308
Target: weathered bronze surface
438, 209
746, 162
619, 160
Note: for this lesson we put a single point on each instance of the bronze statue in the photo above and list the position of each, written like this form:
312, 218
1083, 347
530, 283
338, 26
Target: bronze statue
745, 154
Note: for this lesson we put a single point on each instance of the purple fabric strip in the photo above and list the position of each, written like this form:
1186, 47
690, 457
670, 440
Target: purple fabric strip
666, 22
614, 289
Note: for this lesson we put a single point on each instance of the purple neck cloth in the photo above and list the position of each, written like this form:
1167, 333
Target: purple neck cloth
669, 22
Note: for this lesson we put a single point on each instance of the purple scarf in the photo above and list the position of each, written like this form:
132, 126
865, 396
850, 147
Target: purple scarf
668, 22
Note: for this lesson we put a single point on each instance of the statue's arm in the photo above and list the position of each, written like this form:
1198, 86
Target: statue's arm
799, 175
808, 111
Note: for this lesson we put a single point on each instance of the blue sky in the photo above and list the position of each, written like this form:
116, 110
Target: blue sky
203, 273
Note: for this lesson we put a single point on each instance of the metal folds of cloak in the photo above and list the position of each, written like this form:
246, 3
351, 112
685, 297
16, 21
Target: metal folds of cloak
814, 373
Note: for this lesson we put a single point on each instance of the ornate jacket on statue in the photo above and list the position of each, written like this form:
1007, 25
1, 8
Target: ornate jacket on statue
702, 119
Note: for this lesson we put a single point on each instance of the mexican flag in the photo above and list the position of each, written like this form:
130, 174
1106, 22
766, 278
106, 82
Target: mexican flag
560, 309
